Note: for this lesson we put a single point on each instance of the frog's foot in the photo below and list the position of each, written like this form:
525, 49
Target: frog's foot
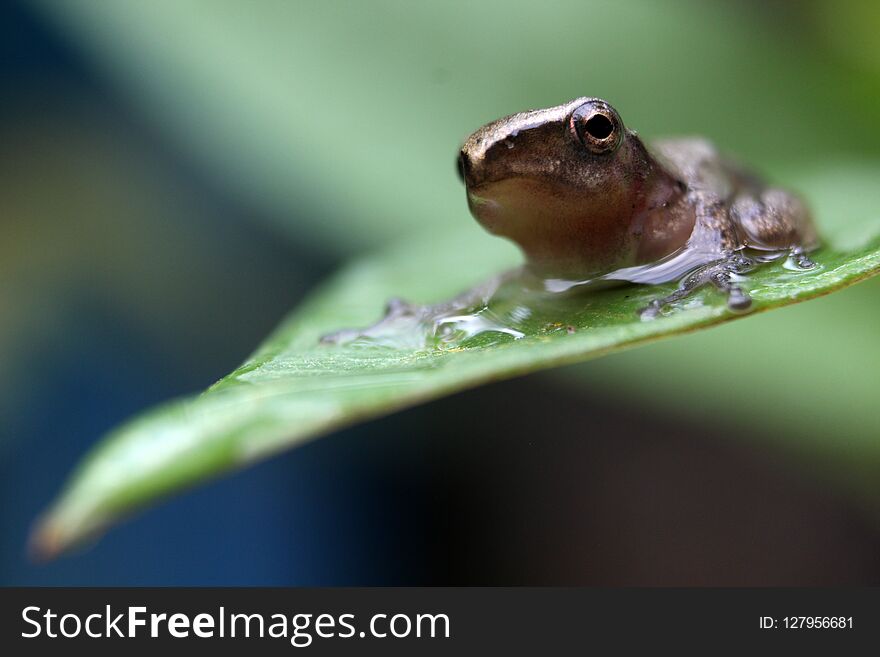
340, 337
396, 308
800, 258
720, 274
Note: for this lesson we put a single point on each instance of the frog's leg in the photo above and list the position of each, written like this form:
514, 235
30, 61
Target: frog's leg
399, 312
719, 274
801, 259
395, 309
715, 232
778, 221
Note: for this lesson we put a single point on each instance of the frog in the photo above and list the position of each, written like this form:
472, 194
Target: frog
587, 200
590, 205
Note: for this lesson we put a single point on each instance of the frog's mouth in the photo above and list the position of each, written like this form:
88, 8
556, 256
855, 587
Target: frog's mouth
508, 207
487, 210
483, 206
511, 205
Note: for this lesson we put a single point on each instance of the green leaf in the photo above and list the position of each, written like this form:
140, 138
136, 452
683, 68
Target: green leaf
294, 389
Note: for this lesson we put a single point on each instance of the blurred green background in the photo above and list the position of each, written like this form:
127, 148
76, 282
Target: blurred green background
176, 175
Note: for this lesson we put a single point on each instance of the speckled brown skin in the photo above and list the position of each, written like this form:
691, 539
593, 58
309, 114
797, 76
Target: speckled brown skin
581, 206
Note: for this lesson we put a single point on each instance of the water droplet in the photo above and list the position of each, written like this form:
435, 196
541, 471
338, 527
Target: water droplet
517, 305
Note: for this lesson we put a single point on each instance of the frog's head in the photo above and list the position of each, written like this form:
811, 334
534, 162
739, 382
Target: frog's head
568, 184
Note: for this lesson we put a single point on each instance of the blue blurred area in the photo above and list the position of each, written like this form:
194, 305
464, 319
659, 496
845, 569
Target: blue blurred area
95, 366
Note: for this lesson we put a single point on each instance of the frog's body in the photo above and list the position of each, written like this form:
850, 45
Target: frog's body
586, 200
588, 203
734, 209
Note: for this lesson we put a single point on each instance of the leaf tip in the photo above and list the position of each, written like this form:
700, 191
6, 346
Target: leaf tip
44, 543
48, 540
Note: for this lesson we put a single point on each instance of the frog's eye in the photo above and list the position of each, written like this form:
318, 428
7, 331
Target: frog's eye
597, 127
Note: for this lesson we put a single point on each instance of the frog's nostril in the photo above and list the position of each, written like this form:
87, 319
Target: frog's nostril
463, 165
